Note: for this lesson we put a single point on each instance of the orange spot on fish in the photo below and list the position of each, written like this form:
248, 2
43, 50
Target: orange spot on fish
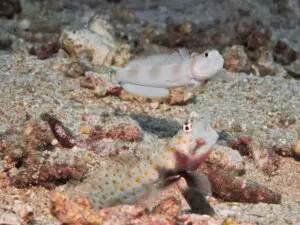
146, 172
138, 179
200, 142
122, 188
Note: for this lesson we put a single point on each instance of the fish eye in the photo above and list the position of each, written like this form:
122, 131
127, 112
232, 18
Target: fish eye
206, 54
187, 127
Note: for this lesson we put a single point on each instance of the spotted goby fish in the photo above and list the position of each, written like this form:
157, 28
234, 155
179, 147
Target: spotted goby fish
154, 75
125, 185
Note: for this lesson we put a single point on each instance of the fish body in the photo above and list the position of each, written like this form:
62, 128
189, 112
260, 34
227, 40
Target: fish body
128, 185
154, 75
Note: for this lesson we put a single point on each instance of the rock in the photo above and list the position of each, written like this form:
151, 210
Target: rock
284, 151
10, 219
75, 69
5, 41
170, 207
14, 211
101, 27
91, 81
150, 220
121, 214
114, 90
45, 51
103, 50
254, 38
296, 147
241, 144
228, 159
77, 211
178, 35
31, 159
294, 68
289, 8
235, 58
283, 53
129, 133
196, 219
233, 189
25, 24
10, 7
265, 159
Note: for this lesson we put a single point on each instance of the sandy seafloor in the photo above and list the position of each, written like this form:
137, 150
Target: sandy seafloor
32, 86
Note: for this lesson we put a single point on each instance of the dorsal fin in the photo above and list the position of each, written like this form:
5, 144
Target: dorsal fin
125, 160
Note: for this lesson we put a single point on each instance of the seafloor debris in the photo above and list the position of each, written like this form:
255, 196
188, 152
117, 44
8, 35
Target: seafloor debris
283, 53
265, 159
61, 133
31, 159
235, 58
10, 7
45, 51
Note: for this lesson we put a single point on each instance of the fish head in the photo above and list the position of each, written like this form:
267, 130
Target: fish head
196, 141
203, 136
206, 65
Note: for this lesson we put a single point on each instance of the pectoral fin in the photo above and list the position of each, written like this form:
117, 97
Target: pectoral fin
146, 91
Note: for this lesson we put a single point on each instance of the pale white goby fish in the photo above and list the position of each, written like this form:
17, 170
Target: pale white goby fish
154, 75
